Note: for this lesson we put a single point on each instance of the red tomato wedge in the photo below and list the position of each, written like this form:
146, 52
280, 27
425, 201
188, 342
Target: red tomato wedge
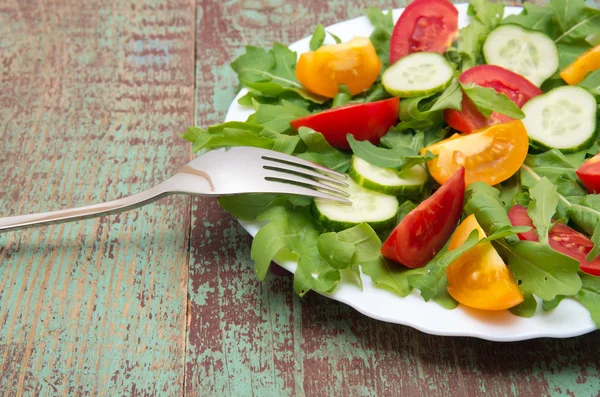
425, 230
589, 173
561, 238
365, 121
425, 25
516, 87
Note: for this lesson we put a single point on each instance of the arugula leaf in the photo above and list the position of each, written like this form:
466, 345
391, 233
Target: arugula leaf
486, 16
383, 25
593, 254
399, 158
592, 83
576, 20
335, 38
554, 166
404, 209
292, 233
593, 39
319, 151
488, 100
278, 117
248, 206
490, 14
510, 191
552, 304
584, 211
205, 140
317, 38
389, 275
526, 308
272, 72
534, 17
395, 138
343, 97
589, 296
428, 110
349, 247
471, 42
541, 270
334, 251
544, 200
484, 201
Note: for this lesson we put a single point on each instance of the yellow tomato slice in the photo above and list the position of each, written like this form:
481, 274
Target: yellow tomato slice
354, 63
479, 278
584, 64
490, 155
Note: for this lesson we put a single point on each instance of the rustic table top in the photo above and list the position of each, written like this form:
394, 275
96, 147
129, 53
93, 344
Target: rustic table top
164, 300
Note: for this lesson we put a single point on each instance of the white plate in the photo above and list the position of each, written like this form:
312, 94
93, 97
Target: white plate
569, 319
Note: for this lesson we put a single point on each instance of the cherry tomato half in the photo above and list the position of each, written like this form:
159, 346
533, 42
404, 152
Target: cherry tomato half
354, 63
425, 230
589, 173
425, 25
479, 278
561, 238
516, 87
584, 64
491, 155
366, 121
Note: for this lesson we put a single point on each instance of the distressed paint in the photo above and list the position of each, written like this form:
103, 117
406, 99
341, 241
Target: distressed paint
92, 95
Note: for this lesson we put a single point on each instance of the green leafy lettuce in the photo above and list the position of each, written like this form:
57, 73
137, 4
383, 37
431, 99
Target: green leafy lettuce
271, 73
398, 158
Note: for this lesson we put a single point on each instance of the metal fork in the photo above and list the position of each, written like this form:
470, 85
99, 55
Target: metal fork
221, 172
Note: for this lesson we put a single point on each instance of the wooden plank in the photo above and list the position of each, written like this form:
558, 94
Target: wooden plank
92, 97
248, 338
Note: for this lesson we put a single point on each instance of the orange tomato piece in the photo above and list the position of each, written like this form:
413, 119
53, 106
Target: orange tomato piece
584, 64
354, 63
490, 155
479, 278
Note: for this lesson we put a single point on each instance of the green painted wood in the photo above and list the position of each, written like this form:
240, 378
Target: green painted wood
92, 96
250, 338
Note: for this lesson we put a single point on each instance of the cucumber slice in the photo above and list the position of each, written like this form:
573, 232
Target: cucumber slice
564, 119
407, 183
377, 209
418, 74
526, 52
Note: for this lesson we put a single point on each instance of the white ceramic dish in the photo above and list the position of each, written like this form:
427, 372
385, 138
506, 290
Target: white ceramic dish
569, 319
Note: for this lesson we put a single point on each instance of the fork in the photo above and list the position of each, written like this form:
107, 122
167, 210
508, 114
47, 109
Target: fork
220, 172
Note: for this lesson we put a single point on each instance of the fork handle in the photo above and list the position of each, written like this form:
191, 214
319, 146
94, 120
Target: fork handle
91, 211
185, 181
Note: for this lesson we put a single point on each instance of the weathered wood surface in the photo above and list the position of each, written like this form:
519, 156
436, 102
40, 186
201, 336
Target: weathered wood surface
92, 96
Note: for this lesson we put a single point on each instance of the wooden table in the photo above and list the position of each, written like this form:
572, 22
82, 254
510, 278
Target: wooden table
163, 300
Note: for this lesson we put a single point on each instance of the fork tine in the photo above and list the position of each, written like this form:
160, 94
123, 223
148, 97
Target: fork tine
296, 161
305, 191
295, 179
305, 172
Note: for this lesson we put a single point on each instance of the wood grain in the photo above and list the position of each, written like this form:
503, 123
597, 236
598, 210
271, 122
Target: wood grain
251, 338
92, 96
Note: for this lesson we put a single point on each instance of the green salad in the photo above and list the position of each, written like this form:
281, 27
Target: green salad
471, 155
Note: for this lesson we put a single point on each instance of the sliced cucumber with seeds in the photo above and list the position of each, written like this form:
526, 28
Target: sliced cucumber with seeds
564, 119
418, 74
411, 182
531, 54
377, 209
